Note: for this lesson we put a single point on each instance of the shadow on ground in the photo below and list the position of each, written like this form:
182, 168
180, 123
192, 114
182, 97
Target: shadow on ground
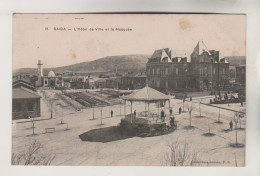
104, 135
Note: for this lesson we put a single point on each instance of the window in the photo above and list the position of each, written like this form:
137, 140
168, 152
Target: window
166, 84
16, 107
30, 106
224, 71
214, 71
153, 71
157, 83
166, 71
205, 70
58, 82
177, 72
158, 71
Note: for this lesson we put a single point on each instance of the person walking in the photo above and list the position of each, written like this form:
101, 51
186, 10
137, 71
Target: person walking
170, 111
135, 114
180, 110
172, 121
112, 113
231, 125
162, 115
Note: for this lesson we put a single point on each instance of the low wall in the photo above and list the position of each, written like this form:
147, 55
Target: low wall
179, 95
140, 126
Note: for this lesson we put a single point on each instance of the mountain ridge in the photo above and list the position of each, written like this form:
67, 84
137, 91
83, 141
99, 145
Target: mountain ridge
121, 63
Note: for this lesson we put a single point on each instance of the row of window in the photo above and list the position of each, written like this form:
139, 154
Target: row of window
46, 82
17, 106
157, 71
157, 84
204, 71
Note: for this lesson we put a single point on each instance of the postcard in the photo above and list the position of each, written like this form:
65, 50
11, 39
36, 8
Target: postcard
129, 90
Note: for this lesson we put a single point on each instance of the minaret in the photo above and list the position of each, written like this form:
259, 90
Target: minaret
40, 72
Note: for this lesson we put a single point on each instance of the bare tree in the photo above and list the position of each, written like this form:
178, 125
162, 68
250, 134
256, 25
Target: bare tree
199, 107
218, 115
189, 106
240, 116
183, 101
33, 124
179, 155
33, 155
236, 122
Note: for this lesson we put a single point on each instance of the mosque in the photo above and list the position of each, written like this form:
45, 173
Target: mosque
51, 80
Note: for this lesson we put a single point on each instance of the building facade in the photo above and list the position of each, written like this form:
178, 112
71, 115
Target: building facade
130, 82
26, 103
79, 82
241, 74
205, 71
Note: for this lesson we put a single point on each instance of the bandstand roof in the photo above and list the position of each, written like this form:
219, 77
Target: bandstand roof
146, 94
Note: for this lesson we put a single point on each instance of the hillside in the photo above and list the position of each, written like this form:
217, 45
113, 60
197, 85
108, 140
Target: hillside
236, 60
124, 63
107, 64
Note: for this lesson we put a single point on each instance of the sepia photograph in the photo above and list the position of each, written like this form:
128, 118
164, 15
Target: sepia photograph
129, 90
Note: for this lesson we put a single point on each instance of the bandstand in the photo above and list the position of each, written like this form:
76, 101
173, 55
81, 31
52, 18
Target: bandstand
146, 119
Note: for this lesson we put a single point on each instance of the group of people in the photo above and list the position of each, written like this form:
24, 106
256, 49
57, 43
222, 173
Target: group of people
172, 118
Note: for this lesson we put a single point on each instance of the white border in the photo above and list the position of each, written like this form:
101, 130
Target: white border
249, 7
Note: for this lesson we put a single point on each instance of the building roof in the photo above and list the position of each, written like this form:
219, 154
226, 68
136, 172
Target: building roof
200, 48
23, 93
51, 74
161, 55
22, 83
146, 94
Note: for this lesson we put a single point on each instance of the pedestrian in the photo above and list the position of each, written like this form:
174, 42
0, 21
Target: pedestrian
170, 111
172, 121
190, 98
180, 110
231, 125
111, 113
162, 115
135, 114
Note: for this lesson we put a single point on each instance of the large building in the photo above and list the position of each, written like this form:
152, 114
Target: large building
57, 81
241, 74
26, 102
133, 81
205, 71
51, 80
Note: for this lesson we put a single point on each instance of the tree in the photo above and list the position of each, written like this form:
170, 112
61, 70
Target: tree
219, 115
179, 155
33, 155
236, 122
240, 116
183, 101
199, 107
189, 106
226, 79
33, 124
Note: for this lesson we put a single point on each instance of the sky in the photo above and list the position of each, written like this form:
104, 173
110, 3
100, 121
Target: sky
34, 37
